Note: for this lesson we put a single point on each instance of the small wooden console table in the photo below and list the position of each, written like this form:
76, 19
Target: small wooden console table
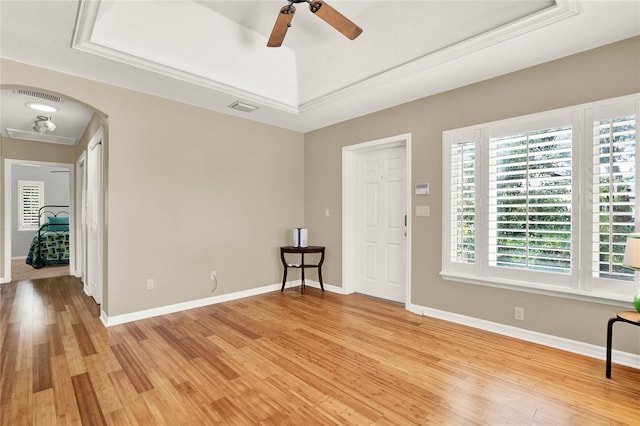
302, 265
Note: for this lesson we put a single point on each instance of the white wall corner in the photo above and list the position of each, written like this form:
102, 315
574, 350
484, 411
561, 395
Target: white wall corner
328, 287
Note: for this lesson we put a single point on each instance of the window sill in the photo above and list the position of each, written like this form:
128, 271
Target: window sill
554, 291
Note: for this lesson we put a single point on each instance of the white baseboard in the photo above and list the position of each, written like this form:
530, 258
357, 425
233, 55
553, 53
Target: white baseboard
581, 348
169, 309
18, 257
316, 284
3, 280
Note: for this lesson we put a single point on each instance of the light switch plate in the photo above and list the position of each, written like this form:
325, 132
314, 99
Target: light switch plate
423, 211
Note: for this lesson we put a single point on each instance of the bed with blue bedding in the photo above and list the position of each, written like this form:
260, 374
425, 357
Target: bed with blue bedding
50, 245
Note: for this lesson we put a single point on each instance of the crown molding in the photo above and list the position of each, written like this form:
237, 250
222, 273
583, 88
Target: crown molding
82, 41
564, 9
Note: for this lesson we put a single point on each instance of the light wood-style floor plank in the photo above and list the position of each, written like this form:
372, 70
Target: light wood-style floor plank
285, 359
21, 271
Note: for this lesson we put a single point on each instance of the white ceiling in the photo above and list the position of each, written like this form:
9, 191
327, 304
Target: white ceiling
212, 53
17, 119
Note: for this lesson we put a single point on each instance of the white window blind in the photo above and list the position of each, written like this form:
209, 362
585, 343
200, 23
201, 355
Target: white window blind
530, 200
614, 189
544, 201
462, 207
30, 199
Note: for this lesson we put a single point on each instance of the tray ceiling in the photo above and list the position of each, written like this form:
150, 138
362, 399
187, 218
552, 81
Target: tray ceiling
212, 53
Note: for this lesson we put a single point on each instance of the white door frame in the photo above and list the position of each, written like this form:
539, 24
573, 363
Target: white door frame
8, 207
98, 294
349, 176
80, 218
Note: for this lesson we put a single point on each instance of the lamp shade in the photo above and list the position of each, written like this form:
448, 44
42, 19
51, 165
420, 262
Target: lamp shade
632, 251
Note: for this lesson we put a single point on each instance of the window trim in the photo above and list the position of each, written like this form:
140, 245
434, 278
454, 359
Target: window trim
21, 185
580, 286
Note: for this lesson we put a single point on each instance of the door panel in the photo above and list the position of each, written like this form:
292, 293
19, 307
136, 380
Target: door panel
371, 261
380, 212
94, 221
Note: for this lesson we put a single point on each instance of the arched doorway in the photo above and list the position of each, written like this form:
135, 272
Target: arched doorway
77, 128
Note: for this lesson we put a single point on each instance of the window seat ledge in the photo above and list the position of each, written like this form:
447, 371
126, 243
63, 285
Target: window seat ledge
547, 290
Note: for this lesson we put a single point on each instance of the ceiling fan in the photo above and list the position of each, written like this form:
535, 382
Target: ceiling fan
321, 9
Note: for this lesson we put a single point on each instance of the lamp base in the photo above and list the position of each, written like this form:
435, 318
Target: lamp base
636, 301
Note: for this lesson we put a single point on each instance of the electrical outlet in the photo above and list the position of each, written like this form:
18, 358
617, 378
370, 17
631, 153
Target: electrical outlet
150, 284
519, 313
214, 275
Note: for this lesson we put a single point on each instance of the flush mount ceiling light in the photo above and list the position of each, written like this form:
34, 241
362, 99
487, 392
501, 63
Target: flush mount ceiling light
42, 107
243, 107
43, 124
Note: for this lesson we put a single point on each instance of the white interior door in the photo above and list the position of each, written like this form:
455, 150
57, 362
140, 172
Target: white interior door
94, 220
381, 224
81, 219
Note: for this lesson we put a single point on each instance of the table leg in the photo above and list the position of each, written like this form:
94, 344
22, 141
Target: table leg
284, 278
609, 341
302, 269
320, 277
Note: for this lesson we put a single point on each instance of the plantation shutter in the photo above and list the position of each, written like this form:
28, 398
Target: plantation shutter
30, 199
462, 202
614, 189
530, 200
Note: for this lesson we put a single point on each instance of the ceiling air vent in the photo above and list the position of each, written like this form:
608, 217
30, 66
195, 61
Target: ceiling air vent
243, 107
39, 95
39, 137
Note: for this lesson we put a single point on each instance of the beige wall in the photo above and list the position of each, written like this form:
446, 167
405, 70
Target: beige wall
182, 200
188, 191
602, 73
15, 149
2, 242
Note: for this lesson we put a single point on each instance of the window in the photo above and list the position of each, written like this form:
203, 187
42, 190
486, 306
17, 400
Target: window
463, 191
530, 200
543, 201
30, 199
614, 166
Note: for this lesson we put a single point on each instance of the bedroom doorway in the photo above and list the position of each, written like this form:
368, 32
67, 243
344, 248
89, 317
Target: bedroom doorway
65, 136
376, 202
56, 180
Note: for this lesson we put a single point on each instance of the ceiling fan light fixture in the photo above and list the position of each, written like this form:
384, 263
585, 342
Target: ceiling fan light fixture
41, 107
43, 124
240, 106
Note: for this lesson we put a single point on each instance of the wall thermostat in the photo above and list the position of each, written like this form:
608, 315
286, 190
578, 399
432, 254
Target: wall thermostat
422, 189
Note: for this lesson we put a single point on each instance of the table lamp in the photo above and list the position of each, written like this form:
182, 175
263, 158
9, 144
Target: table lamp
632, 260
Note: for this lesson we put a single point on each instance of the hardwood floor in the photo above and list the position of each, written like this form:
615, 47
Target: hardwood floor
21, 271
285, 358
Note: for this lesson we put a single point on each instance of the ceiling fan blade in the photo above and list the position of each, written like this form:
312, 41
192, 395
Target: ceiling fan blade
283, 22
335, 19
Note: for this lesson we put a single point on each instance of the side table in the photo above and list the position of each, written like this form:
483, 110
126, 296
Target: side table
302, 265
